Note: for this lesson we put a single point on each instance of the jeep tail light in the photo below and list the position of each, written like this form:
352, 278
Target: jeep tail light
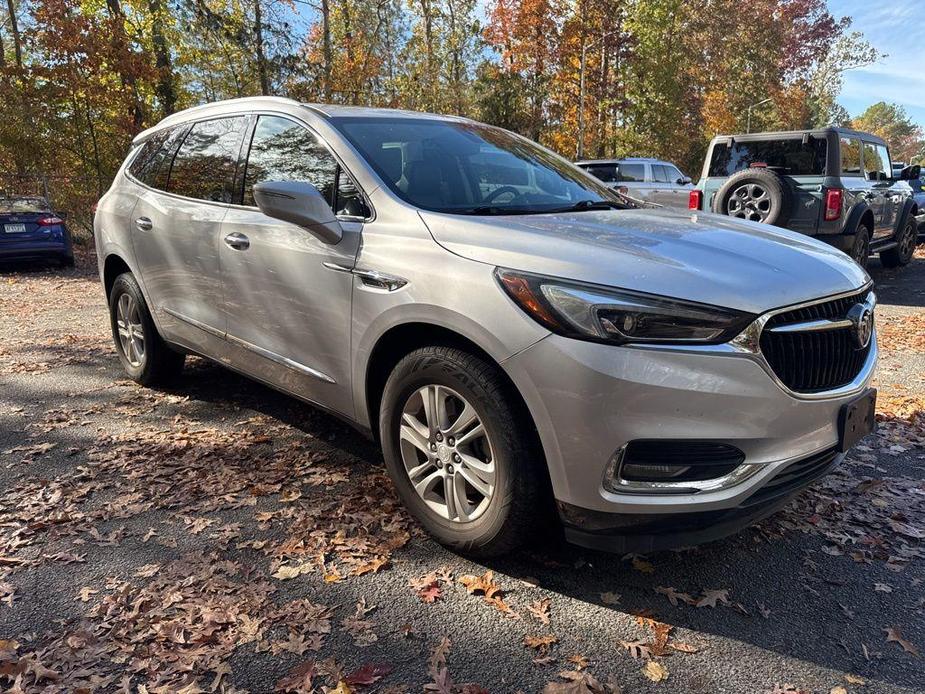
50, 221
833, 201
695, 200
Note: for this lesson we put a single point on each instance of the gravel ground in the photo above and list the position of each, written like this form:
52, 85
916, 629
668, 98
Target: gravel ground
220, 536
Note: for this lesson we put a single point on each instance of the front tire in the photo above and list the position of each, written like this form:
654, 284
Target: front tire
460, 453
902, 253
146, 358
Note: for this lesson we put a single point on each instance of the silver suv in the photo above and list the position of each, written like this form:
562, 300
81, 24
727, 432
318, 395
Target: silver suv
651, 180
517, 340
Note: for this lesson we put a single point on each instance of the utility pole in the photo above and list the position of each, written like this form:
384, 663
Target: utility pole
748, 125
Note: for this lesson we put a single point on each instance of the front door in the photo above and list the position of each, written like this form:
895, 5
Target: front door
287, 294
878, 173
176, 232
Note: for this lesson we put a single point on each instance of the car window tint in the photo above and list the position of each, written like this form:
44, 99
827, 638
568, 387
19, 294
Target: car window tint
850, 156
205, 164
790, 157
158, 172
349, 200
632, 172
282, 150
660, 173
142, 166
674, 174
876, 162
604, 172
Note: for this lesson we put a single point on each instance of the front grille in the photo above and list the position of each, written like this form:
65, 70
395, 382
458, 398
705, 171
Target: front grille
819, 360
794, 477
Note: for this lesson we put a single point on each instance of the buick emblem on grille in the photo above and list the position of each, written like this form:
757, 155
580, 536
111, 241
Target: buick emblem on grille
862, 319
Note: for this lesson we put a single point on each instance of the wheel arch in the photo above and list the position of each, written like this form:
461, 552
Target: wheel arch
113, 266
860, 215
402, 339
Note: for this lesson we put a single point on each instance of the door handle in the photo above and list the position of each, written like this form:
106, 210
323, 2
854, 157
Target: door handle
144, 224
237, 241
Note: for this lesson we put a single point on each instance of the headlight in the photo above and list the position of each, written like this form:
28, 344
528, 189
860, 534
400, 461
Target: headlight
604, 314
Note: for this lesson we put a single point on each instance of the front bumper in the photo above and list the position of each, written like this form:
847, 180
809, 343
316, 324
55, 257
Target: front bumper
588, 400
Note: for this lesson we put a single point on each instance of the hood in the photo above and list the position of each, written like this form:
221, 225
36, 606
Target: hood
700, 257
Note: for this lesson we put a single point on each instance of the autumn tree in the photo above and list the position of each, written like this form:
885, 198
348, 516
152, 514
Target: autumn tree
891, 122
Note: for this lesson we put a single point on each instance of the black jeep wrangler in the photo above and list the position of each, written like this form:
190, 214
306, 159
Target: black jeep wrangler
835, 184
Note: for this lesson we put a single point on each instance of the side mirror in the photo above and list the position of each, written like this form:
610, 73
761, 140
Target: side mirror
299, 203
684, 180
910, 173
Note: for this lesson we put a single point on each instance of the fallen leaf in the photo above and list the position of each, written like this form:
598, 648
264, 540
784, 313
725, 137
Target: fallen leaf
893, 634
655, 671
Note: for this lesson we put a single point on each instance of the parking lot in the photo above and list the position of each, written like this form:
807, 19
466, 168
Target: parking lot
220, 536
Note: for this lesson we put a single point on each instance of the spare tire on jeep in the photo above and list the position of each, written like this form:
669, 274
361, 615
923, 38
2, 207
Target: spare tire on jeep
759, 195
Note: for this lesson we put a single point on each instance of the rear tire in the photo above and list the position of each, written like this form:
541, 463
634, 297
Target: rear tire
417, 447
860, 249
146, 358
902, 254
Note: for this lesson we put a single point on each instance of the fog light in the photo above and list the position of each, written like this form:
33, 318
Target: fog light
651, 473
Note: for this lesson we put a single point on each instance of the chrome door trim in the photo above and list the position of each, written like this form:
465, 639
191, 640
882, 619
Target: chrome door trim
279, 359
195, 323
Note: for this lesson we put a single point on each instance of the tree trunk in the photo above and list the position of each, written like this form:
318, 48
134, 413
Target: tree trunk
164, 89
430, 79
2, 52
261, 55
14, 30
326, 49
136, 110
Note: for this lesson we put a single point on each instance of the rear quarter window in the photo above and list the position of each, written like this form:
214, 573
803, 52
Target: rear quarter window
603, 172
789, 157
850, 156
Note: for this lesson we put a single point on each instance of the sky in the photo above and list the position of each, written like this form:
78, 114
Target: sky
895, 27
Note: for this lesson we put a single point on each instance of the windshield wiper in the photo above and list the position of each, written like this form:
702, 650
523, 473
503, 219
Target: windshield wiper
496, 209
583, 205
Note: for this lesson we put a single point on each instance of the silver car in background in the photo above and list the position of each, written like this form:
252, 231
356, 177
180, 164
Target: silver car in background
650, 180
521, 344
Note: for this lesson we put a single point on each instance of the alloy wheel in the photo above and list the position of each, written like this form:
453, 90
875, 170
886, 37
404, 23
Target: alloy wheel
749, 201
130, 329
861, 250
447, 453
907, 242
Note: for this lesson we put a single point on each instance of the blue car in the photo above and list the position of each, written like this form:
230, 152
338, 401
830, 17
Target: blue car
29, 230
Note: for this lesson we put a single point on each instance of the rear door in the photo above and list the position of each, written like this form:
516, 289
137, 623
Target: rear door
176, 229
287, 294
635, 177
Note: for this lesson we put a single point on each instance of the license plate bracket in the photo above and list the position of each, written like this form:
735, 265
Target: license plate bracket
857, 419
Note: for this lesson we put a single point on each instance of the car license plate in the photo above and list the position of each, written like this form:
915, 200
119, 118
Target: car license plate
856, 420
14, 228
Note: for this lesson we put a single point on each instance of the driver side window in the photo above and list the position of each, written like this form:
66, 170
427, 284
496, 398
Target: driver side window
283, 150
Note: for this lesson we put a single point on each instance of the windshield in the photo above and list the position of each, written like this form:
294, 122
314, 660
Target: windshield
23, 205
469, 168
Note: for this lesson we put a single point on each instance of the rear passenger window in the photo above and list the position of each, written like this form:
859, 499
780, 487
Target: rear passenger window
632, 172
204, 167
282, 150
850, 156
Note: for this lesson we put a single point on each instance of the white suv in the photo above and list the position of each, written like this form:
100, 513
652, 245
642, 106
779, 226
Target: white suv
651, 180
